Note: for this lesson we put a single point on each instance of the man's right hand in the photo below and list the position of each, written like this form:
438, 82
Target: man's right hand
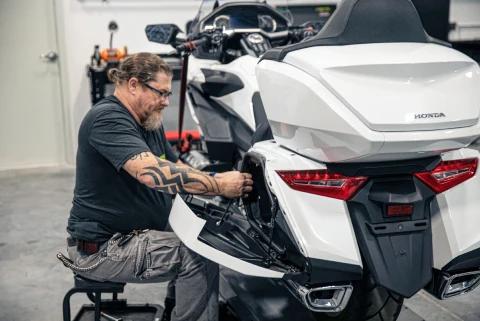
234, 184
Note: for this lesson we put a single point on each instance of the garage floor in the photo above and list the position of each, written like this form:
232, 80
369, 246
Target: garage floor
34, 206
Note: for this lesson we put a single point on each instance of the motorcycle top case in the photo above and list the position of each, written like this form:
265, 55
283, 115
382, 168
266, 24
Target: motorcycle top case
372, 102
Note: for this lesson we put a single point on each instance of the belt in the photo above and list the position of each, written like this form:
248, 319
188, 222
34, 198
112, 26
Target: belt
85, 247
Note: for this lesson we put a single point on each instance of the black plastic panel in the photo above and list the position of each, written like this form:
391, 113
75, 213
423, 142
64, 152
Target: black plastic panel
392, 168
262, 127
323, 271
220, 83
397, 250
465, 262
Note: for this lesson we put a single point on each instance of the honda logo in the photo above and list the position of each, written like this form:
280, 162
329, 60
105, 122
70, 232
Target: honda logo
429, 115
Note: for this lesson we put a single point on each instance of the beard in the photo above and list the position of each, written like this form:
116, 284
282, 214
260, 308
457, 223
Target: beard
153, 121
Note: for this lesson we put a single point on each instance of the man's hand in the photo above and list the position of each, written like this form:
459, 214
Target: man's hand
234, 184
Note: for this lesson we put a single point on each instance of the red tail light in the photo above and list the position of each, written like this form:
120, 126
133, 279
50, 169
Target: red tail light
448, 174
322, 183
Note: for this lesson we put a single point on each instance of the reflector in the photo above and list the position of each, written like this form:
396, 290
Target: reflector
399, 210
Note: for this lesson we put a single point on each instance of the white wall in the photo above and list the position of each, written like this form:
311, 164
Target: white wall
466, 15
84, 24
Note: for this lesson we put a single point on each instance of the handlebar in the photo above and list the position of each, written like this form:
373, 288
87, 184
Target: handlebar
217, 36
192, 44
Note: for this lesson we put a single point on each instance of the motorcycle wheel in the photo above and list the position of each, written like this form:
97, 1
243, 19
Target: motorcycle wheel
368, 302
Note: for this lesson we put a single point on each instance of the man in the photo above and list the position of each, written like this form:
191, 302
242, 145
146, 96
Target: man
126, 174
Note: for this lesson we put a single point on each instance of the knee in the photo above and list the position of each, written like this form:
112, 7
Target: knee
192, 262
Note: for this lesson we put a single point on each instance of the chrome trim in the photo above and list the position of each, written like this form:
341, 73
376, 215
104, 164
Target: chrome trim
449, 281
337, 303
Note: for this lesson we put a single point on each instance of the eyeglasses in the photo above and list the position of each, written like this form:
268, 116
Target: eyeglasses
163, 94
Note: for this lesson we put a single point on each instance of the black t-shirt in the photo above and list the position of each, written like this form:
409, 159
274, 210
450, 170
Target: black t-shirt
106, 198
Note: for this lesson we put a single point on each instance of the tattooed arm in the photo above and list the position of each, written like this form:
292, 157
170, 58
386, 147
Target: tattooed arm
165, 176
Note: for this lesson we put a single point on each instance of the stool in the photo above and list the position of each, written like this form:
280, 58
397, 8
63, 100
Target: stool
94, 291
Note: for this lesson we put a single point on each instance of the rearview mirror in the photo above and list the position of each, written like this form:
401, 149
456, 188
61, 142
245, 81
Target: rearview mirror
162, 33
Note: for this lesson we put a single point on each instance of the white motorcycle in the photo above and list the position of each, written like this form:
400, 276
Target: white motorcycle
368, 192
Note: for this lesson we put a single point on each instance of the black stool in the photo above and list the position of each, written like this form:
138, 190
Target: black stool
94, 291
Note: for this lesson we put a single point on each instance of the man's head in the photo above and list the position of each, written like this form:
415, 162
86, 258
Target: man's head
143, 82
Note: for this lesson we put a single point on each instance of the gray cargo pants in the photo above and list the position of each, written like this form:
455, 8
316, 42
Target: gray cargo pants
155, 256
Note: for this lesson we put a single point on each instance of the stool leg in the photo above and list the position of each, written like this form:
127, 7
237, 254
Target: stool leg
98, 300
66, 305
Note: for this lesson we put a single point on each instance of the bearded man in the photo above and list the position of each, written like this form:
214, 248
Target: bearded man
126, 174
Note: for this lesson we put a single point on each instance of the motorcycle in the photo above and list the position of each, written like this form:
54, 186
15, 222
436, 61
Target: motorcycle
367, 192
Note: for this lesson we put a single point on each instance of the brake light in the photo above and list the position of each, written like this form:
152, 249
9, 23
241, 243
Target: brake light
321, 182
448, 174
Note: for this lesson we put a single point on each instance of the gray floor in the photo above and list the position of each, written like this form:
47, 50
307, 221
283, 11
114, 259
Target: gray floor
34, 208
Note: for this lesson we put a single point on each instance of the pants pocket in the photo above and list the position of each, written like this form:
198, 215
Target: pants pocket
161, 259
140, 259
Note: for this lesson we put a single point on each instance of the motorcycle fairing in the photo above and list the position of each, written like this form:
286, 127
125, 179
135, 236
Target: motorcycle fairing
325, 235
188, 226
262, 210
320, 225
238, 100
238, 237
248, 239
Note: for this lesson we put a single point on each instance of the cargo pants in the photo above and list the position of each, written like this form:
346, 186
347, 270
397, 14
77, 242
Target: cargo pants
150, 256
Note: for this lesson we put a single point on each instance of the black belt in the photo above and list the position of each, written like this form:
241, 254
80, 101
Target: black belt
85, 247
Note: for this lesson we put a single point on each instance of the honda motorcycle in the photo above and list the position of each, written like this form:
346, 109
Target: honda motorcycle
368, 191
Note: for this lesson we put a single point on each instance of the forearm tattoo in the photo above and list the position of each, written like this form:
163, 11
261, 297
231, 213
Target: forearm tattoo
171, 178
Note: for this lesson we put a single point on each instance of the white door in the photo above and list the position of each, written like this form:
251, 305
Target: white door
32, 130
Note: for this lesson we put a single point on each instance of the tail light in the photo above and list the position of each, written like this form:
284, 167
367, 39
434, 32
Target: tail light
448, 174
322, 183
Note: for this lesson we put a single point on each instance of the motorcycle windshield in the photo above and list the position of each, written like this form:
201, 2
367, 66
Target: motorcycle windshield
237, 20
208, 6
291, 13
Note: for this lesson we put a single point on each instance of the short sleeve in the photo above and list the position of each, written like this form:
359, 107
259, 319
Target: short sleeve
116, 137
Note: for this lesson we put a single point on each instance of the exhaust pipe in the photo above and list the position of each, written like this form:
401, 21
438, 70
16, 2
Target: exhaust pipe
459, 284
333, 298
